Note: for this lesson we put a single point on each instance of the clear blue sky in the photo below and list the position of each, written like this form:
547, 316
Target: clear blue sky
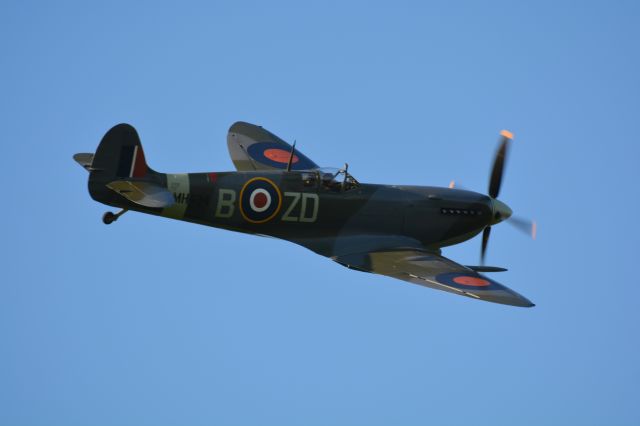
157, 322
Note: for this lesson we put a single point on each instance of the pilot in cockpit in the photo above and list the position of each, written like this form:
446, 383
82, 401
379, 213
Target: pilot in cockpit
337, 180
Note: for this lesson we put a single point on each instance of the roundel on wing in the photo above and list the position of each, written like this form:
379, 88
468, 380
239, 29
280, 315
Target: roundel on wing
466, 281
276, 155
260, 200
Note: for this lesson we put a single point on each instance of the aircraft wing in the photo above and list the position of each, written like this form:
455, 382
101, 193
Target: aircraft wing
253, 148
432, 270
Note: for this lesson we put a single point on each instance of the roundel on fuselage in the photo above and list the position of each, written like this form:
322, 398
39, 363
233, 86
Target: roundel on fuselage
260, 200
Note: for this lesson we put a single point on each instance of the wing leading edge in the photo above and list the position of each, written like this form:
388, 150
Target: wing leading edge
253, 148
434, 271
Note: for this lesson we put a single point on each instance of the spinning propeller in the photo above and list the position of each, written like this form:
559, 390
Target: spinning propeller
502, 212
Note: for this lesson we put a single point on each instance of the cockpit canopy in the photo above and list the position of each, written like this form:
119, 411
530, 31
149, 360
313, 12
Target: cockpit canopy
330, 178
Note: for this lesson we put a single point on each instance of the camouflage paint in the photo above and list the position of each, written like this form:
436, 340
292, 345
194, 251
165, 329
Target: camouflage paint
385, 229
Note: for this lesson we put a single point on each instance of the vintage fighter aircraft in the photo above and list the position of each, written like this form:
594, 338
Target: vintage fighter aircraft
277, 191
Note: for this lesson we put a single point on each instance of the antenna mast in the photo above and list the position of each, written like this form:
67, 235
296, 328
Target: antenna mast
293, 150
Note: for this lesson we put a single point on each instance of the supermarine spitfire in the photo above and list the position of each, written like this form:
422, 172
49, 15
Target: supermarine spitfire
277, 191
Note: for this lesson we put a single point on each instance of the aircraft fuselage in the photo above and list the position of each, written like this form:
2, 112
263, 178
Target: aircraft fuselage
298, 205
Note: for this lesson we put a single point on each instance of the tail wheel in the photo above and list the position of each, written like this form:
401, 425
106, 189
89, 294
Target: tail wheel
109, 218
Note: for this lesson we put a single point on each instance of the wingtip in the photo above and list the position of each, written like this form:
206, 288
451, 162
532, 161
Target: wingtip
526, 303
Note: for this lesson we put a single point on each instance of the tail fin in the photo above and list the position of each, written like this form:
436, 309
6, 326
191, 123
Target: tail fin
119, 156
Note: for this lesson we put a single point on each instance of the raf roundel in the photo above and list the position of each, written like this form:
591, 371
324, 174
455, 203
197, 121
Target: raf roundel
276, 155
466, 281
260, 200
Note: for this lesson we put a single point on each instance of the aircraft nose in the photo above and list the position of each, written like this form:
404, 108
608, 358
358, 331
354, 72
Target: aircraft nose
501, 211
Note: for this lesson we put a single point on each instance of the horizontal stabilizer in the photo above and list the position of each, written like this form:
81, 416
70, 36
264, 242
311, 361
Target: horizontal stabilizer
85, 160
143, 193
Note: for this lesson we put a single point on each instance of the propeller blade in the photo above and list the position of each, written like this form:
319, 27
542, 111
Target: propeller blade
485, 240
527, 226
498, 164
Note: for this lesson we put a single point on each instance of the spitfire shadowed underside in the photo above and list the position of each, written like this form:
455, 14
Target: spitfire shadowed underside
277, 191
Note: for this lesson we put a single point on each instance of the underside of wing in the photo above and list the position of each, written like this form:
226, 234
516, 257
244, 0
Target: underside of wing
253, 148
434, 271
